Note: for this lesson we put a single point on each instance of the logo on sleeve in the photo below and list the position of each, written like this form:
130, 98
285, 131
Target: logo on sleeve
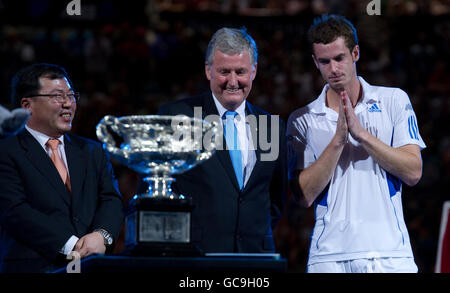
374, 108
413, 128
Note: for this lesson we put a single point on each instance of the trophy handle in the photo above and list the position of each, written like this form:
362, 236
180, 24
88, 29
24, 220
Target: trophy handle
106, 138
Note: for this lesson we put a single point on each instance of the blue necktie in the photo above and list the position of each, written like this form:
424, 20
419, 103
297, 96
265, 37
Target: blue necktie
231, 138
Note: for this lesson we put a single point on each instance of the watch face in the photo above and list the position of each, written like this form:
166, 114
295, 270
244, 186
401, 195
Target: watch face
109, 240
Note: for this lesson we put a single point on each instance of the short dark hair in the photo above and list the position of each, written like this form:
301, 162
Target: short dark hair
26, 83
327, 28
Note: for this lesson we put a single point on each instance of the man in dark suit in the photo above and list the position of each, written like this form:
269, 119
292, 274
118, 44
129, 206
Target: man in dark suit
238, 202
58, 194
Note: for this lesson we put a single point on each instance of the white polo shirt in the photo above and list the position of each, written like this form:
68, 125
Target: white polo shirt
360, 213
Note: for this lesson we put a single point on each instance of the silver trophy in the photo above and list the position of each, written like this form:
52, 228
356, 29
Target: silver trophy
158, 147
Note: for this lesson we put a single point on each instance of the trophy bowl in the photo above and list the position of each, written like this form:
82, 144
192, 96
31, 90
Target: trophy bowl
158, 147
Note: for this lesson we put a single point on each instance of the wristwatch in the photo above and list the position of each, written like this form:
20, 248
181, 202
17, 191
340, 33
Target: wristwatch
106, 236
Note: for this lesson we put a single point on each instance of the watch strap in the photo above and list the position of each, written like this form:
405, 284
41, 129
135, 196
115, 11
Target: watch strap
108, 239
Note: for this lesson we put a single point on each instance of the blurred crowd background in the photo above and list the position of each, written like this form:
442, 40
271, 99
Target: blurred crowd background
130, 57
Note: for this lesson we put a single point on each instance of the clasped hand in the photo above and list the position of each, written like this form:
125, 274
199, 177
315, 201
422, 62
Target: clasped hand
347, 121
91, 243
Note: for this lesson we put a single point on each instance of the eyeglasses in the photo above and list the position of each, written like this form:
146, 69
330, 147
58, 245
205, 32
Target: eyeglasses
60, 98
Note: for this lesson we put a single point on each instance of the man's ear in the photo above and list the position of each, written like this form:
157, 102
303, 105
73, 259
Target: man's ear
208, 71
315, 61
25, 103
255, 69
355, 53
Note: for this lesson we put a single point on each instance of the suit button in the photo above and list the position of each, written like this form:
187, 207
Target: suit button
76, 219
241, 200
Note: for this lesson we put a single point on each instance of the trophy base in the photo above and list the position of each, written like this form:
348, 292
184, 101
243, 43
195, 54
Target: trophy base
159, 226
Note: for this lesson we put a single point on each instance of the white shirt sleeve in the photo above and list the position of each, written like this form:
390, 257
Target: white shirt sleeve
300, 155
70, 244
406, 126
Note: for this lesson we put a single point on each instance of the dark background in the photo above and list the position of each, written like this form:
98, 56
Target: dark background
130, 57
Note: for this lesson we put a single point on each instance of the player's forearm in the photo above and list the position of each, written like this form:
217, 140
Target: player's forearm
404, 162
313, 180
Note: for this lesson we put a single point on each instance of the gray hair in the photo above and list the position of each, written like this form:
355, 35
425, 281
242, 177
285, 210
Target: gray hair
232, 41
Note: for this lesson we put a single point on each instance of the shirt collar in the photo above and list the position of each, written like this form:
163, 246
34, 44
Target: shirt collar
319, 105
368, 92
43, 138
221, 109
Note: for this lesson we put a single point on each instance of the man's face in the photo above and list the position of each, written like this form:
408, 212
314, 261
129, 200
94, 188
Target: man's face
336, 63
231, 77
47, 115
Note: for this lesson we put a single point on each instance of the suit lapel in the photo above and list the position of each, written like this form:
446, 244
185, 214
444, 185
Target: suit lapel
76, 161
257, 167
42, 162
225, 160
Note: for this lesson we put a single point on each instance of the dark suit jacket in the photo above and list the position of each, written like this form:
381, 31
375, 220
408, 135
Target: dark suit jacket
37, 213
226, 219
